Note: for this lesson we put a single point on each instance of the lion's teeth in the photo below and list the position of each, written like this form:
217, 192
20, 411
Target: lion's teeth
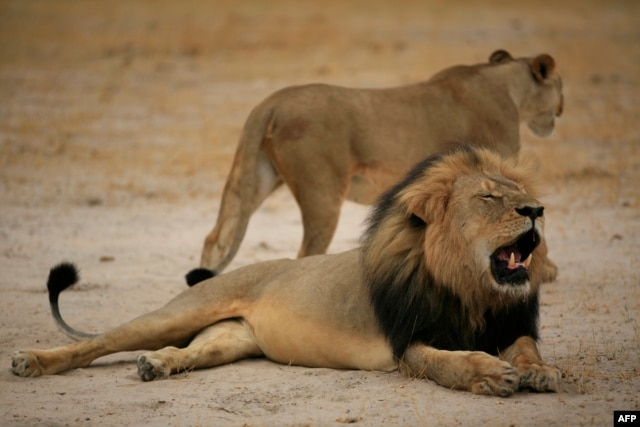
527, 261
512, 261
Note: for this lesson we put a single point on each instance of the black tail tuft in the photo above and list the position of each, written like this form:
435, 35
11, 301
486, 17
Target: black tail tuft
198, 275
61, 277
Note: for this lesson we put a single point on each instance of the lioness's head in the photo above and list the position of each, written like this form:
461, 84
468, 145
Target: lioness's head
466, 221
536, 87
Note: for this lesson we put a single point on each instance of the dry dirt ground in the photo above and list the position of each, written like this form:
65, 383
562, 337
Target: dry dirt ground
118, 122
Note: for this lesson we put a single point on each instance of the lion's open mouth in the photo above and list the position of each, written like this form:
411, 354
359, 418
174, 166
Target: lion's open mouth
510, 264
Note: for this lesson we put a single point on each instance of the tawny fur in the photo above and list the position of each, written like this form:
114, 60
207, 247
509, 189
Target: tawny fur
428, 294
329, 143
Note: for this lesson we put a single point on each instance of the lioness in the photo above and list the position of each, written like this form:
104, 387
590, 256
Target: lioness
329, 143
444, 287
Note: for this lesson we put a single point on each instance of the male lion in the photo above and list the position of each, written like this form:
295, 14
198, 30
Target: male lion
444, 287
329, 143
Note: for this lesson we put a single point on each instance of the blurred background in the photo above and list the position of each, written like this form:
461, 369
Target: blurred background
154, 93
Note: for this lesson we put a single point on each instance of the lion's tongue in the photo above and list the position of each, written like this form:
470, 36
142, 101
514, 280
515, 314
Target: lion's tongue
512, 257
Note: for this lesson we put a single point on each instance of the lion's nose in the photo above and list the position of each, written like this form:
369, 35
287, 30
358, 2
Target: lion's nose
532, 212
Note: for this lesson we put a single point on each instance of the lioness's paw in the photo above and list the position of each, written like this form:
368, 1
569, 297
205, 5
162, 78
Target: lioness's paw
539, 377
25, 364
493, 376
549, 271
151, 368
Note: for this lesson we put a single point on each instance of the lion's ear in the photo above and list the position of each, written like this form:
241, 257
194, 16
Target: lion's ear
500, 55
416, 205
428, 204
542, 67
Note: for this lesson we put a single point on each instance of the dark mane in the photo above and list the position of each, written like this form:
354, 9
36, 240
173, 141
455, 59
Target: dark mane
410, 305
388, 199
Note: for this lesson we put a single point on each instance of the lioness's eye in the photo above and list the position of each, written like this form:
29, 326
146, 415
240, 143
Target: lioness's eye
487, 196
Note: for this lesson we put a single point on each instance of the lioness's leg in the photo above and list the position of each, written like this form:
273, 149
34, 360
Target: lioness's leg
219, 344
320, 201
548, 271
474, 371
533, 372
317, 172
319, 224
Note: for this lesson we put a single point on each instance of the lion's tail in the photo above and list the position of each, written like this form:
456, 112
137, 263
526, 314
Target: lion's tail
251, 179
60, 278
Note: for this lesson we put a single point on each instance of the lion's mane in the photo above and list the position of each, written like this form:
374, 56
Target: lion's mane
414, 261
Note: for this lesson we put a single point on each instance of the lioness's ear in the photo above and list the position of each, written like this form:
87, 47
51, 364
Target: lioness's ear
500, 55
542, 66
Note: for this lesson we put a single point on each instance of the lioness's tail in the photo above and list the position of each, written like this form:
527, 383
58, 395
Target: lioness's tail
251, 179
61, 277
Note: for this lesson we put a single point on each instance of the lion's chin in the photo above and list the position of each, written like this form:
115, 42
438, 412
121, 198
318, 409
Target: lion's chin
510, 263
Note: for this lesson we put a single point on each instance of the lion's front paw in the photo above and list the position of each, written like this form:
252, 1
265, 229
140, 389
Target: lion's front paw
25, 364
151, 368
539, 377
492, 376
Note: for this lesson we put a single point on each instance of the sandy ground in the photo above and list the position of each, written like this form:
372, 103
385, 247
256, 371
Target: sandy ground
118, 122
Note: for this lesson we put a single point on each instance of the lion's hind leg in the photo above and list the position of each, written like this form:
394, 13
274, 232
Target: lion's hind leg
216, 345
33, 363
534, 373
26, 364
473, 371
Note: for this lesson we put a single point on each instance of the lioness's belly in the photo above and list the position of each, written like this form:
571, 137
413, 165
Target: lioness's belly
309, 340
